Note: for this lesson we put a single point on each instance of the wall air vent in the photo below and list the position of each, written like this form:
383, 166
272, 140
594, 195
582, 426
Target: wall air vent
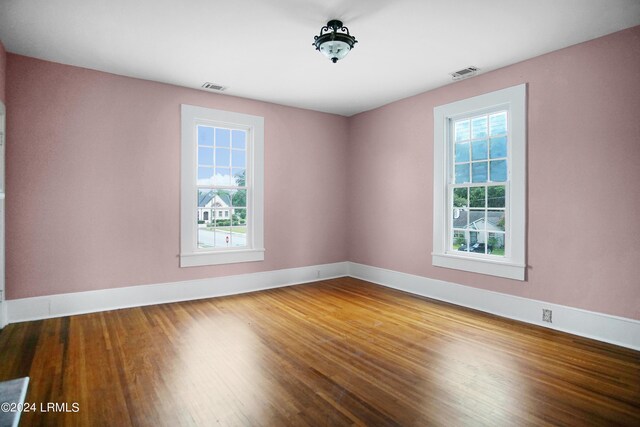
464, 73
213, 86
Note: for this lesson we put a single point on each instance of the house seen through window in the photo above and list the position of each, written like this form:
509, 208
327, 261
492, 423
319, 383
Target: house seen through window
479, 175
222, 189
477, 190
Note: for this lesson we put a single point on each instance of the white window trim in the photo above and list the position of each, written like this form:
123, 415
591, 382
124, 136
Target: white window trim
512, 266
190, 254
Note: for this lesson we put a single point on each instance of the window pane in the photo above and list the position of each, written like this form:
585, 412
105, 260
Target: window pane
223, 157
479, 127
204, 216
239, 228
223, 137
222, 219
498, 147
477, 242
462, 173
477, 197
498, 123
495, 220
206, 237
479, 171
460, 198
460, 218
223, 235
238, 158
205, 136
479, 150
238, 198
223, 177
459, 241
495, 196
476, 220
206, 197
239, 216
496, 243
239, 236
462, 152
221, 201
205, 176
499, 170
238, 139
205, 156
239, 177
461, 130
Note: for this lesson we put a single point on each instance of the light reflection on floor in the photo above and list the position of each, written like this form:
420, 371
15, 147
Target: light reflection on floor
478, 383
212, 385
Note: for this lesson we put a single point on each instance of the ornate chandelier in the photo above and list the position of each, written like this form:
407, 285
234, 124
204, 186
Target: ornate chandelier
334, 40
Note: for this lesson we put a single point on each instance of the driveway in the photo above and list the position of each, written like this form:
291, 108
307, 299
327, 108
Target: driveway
218, 238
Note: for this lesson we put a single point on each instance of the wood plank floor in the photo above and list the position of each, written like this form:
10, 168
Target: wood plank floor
337, 352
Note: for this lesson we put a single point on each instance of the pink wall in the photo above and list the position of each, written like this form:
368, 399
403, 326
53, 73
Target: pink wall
93, 180
583, 182
3, 72
93, 168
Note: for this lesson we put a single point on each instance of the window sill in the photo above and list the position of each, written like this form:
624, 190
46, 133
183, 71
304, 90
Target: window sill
490, 267
196, 259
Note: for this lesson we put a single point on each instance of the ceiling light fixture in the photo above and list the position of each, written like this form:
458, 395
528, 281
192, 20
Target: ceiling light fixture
333, 44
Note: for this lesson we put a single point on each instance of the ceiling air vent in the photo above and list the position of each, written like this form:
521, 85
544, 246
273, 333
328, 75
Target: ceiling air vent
464, 73
213, 86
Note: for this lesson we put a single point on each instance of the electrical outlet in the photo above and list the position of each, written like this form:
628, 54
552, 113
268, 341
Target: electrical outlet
546, 315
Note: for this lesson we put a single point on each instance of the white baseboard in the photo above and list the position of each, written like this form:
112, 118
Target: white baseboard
603, 327
36, 308
3, 314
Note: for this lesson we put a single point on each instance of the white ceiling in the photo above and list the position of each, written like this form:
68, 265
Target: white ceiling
262, 49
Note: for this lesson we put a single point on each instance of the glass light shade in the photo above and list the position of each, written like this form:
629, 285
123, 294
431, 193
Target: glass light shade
334, 40
335, 50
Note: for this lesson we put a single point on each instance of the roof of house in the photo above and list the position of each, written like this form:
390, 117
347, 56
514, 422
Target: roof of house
493, 218
205, 198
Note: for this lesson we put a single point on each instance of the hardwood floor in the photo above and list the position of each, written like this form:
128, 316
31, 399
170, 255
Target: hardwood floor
337, 352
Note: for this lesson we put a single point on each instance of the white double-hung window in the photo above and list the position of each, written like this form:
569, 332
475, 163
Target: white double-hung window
222, 168
480, 184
